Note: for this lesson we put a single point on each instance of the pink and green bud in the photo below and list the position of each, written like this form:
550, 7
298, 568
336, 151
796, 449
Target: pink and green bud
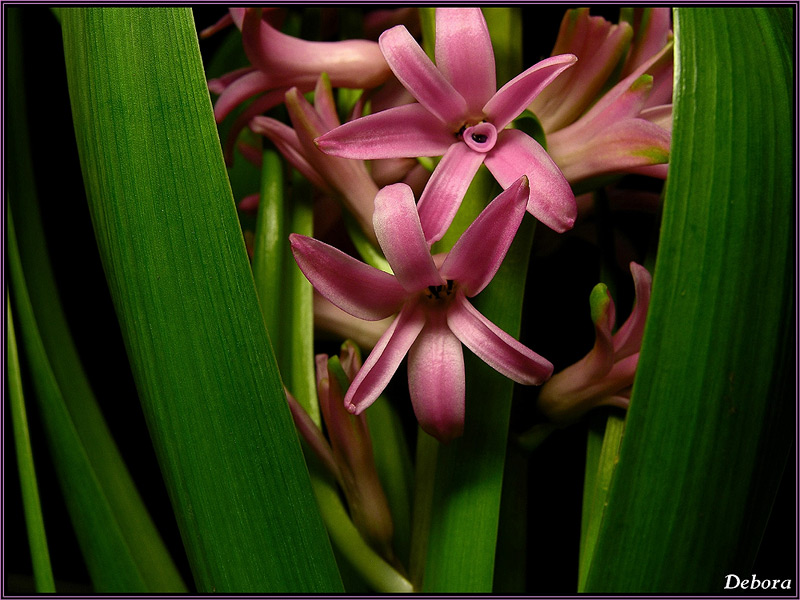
604, 377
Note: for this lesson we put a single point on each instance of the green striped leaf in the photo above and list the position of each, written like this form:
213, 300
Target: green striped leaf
179, 277
710, 424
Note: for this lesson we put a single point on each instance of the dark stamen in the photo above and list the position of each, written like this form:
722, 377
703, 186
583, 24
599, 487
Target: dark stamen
479, 138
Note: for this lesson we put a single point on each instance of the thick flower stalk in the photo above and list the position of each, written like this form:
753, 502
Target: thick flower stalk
604, 377
430, 294
280, 62
626, 130
348, 455
461, 116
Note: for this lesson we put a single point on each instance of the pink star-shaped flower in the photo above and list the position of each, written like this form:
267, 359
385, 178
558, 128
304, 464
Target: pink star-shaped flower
430, 294
461, 116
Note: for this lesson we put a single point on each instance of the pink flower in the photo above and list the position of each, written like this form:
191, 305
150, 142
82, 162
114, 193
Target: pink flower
280, 62
603, 377
430, 293
628, 129
460, 116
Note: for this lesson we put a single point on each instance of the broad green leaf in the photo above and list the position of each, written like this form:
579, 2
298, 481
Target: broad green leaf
710, 424
117, 489
179, 277
40, 556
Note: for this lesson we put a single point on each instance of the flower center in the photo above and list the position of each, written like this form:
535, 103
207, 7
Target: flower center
438, 293
481, 137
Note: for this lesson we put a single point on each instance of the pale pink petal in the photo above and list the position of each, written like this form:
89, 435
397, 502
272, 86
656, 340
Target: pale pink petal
477, 254
599, 46
285, 140
355, 287
400, 132
660, 115
384, 359
349, 178
653, 31
420, 76
551, 199
619, 148
292, 61
515, 96
400, 236
657, 171
261, 104
218, 84
446, 189
436, 379
324, 104
391, 170
464, 55
494, 346
628, 339
238, 91
223, 22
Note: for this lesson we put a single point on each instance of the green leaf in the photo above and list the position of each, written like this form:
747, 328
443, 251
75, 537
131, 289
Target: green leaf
116, 495
40, 556
179, 277
710, 424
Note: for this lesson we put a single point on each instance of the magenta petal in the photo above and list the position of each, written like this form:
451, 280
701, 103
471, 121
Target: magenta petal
406, 131
465, 56
400, 236
446, 188
436, 379
290, 60
420, 76
494, 346
356, 288
551, 199
238, 91
477, 254
628, 340
384, 359
324, 103
515, 96
286, 141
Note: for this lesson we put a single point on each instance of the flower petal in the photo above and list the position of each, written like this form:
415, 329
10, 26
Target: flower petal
400, 236
330, 318
287, 143
246, 86
436, 379
291, 61
619, 148
406, 131
359, 289
551, 199
384, 359
324, 103
515, 96
464, 55
446, 189
477, 254
628, 340
494, 346
420, 76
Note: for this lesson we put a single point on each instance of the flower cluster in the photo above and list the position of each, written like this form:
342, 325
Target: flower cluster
393, 162
603, 102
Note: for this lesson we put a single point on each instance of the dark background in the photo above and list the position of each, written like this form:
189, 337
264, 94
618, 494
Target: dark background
556, 469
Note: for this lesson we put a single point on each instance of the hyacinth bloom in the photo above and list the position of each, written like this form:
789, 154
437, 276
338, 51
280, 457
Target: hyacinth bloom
343, 178
280, 62
628, 129
348, 455
461, 116
430, 293
603, 377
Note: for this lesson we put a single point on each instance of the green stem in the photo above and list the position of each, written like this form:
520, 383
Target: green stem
40, 556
